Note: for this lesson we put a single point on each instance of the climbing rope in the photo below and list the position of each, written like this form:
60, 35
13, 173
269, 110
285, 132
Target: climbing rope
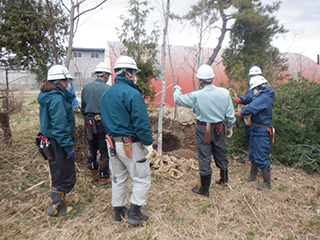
238, 110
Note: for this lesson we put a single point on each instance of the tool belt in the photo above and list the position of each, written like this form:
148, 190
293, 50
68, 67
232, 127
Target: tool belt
217, 126
127, 144
44, 147
91, 126
271, 130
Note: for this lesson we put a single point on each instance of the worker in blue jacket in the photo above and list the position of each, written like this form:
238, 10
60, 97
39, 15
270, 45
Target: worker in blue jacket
57, 124
213, 107
254, 71
126, 121
260, 108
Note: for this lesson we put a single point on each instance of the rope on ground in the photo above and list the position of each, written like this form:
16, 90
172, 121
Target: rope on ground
171, 166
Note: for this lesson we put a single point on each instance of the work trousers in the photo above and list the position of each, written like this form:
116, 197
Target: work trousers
62, 168
259, 150
216, 148
99, 143
138, 169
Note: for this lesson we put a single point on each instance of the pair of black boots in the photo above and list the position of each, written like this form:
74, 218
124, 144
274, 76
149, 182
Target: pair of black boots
206, 182
135, 216
266, 175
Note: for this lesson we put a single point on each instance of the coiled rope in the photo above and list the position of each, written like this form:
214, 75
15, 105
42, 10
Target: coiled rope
171, 166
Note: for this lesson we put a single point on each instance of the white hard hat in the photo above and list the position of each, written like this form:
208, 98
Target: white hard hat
125, 62
257, 81
255, 70
58, 72
102, 68
205, 73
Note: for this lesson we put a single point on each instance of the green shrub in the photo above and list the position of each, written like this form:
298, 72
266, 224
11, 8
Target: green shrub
296, 118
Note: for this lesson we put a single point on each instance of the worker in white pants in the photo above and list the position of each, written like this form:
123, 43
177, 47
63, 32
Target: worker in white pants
139, 170
125, 118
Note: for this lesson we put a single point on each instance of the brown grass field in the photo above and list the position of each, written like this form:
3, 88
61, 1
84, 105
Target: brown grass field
290, 210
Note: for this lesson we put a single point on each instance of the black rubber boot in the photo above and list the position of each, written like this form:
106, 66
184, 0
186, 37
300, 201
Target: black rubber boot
120, 213
253, 173
205, 186
266, 174
57, 205
223, 177
135, 216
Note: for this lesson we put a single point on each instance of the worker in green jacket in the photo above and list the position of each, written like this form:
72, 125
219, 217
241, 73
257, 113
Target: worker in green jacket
125, 118
57, 126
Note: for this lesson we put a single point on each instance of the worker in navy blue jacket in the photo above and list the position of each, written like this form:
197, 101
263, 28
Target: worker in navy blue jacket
260, 108
57, 124
126, 121
254, 71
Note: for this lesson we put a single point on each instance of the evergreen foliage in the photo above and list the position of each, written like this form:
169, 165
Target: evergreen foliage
296, 115
140, 45
250, 42
26, 34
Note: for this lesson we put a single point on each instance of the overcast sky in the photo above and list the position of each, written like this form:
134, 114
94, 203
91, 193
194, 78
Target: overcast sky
301, 18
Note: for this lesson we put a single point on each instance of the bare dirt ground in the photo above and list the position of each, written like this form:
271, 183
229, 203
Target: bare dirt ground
290, 210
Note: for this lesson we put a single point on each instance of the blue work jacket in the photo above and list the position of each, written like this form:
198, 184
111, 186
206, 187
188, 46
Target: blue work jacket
260, 109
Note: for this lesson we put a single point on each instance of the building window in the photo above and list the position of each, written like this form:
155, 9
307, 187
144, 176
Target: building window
77, 74
77, 54
95, 55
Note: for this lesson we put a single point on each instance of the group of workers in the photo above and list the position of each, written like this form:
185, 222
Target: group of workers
118, 130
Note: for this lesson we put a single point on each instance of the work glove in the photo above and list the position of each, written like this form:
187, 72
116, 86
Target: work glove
229, 132
149, 150
70, 154
176, 87
238, 100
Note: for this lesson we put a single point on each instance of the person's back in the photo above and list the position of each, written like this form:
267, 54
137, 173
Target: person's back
91, 95
126, 121
57, 129
127, 115
212, 107
90, 107
212, 104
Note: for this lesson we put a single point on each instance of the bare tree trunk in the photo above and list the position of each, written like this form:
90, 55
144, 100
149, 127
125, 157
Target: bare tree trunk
4, 114
163, 76
53, 36
5, 126
71, 35
221, 38
73, 18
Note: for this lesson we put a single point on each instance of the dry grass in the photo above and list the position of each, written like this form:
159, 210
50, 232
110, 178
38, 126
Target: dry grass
290, 210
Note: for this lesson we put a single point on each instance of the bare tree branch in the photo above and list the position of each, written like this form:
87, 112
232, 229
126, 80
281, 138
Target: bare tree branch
88, 10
